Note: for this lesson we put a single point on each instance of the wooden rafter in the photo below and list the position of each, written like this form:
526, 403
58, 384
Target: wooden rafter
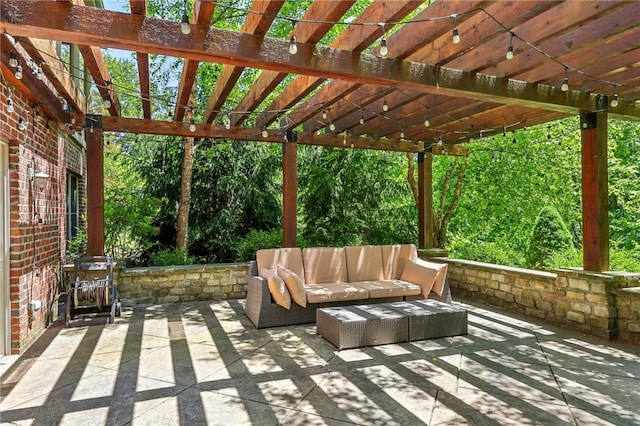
355, 38
38, 91
42, 53
311, 31
139, 7
202, 14
262, 14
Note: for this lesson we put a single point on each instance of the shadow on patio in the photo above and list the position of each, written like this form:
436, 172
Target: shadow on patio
205, 363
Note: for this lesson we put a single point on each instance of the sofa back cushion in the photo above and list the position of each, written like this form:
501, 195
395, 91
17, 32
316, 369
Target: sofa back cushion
290, 258
364, 263
324, 265
394, 258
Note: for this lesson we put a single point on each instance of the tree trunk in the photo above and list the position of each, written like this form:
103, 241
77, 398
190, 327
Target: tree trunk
182, 240
444, 214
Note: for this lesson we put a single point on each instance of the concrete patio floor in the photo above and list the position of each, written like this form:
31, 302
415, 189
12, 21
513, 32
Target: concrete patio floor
205, 363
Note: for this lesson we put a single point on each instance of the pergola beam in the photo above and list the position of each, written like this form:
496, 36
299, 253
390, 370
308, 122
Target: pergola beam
76, 24
139, 7
208, 131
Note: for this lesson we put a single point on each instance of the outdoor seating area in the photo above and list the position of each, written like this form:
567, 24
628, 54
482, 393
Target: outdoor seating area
205, 363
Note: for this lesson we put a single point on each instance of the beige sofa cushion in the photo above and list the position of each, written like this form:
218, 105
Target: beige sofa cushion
324, 265
294, 285
364, 263
330, 292
394, 258
290, 258
388, 288
277, 288
430, 276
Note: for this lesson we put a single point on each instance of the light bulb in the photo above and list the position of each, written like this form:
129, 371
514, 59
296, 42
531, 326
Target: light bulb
362, 120
192, 125
19, 72
456, 36
22, 124
227, 124
324, 114
565, 85
185, 28
13, 59
402, 134
385, 105
614, 100
293, 46
106, 102
10, 108
265, 132
39, 73
427, 123
509, 52
383, 47
332, 126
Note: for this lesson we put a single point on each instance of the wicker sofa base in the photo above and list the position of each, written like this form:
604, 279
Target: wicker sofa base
264, 312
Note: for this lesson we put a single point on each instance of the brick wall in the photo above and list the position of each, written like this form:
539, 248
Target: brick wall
603, 304
37, 222
142, 286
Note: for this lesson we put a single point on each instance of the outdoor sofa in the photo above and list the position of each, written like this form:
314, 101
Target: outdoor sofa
286, 285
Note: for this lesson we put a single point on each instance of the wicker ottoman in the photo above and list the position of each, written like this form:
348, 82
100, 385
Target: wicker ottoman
362, 325
430, 319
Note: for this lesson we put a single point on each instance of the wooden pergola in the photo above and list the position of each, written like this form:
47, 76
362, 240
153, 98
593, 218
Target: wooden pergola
429, 93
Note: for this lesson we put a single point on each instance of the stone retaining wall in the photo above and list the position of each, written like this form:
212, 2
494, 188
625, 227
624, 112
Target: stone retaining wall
171, 284
603, 304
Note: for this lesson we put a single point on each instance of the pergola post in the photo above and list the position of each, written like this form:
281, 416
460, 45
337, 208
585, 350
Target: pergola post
95, 186
290, 190
425, 200
595, 209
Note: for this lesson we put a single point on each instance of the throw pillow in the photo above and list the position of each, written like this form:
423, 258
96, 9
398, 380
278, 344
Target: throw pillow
294, 285
419, 274
277, 288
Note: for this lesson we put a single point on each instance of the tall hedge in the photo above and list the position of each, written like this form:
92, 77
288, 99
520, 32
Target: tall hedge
549, 235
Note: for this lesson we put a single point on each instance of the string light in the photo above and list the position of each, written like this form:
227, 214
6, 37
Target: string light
106, 102
227, 123
332, 126
402, 131
427, 123
10, 108
293, 46
456, 36
385, 105
13, 59
185, 28
361, 116
18, 73
324, 114
509, 54
22, 124
614, 100
265, 132
383, 47
565, 80
39, 73
192, 125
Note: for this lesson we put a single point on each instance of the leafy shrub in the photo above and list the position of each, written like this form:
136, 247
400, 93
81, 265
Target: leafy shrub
549, 235
169, 257
484, 251
256, 240
625, 260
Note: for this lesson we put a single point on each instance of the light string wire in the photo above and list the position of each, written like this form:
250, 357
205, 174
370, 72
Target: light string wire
130, 92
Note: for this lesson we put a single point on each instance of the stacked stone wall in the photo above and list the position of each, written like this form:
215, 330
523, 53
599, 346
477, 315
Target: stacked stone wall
603, 304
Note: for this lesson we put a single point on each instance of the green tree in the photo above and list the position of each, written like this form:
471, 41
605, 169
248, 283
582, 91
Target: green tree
548, 236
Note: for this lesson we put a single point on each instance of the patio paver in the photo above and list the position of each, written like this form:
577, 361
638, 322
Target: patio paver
205, 363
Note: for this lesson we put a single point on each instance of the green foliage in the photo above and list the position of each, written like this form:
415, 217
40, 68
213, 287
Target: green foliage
168, 257
549, 235
351, 197
129, 213
485, 251
256, 240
